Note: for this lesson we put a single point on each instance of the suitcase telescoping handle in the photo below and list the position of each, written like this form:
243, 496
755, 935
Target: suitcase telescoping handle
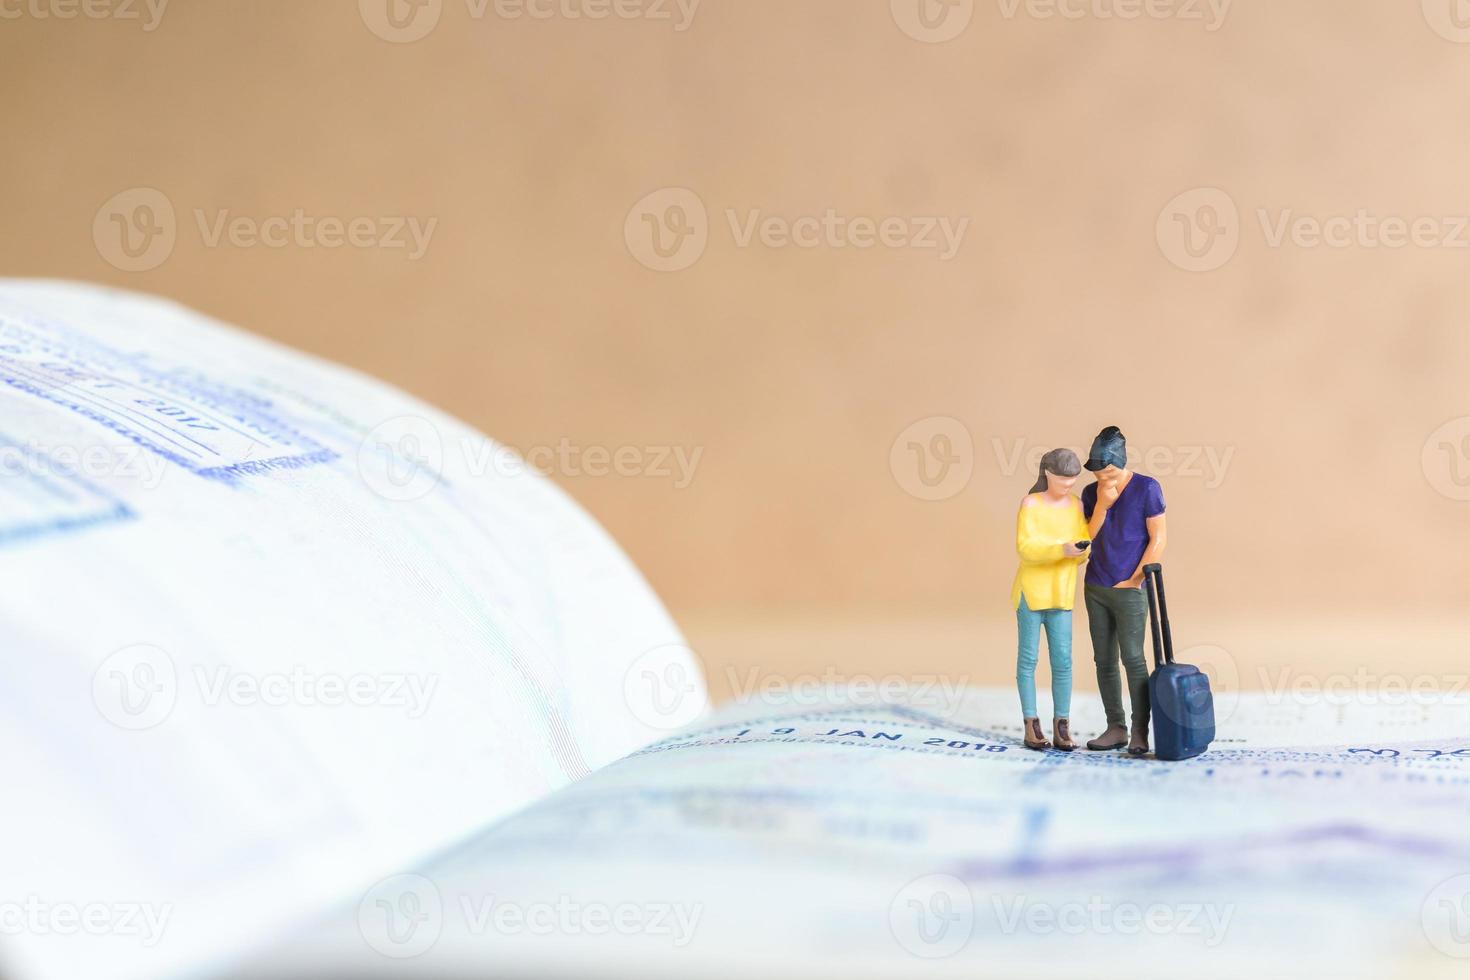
1153, 583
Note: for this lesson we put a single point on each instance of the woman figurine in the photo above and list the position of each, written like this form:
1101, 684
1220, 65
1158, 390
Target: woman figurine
1048, 531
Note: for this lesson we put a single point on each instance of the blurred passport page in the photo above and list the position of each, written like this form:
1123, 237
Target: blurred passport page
847, 838
305, 680
271, 630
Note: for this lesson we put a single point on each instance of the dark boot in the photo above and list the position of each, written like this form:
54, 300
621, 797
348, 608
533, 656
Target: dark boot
1061, 735
1114, 738
1034, 738
1138, 741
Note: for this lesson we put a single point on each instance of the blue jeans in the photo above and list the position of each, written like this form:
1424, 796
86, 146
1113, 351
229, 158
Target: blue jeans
1058, 623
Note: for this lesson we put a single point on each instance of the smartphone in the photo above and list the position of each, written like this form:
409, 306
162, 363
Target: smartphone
1083, 545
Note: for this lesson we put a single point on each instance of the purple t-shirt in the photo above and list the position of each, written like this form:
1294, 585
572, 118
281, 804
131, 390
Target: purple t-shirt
1120, 544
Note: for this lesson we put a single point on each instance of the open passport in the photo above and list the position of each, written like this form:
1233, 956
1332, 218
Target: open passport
304, 678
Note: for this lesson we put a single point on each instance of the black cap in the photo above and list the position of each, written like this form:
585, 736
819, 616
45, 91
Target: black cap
1108, 449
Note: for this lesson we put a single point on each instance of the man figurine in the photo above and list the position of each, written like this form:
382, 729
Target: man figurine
1125, 519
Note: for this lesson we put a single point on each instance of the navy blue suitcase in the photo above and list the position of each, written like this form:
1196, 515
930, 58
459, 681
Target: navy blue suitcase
1179, 697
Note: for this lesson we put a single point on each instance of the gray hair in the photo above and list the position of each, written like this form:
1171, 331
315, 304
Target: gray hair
1062, 462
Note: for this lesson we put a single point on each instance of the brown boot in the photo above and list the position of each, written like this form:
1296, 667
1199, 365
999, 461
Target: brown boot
1061, 735
1138, 741
1034, 738
1114, 738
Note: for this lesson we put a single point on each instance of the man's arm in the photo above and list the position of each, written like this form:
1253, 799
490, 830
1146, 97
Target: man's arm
1107, 496
1158, 537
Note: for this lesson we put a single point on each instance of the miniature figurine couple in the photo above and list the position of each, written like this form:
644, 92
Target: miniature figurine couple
1117, 528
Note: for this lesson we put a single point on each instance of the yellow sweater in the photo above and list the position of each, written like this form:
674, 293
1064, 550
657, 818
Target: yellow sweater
1046, 577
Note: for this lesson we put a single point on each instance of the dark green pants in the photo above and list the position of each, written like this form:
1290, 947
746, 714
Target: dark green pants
1117, 620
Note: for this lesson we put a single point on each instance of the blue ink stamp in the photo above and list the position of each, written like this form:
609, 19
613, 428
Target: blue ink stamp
38, 498
210, 429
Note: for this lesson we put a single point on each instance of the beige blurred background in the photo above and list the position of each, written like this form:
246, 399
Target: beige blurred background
1304, 402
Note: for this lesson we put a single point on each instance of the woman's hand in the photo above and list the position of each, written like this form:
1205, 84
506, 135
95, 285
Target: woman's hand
1070, 550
